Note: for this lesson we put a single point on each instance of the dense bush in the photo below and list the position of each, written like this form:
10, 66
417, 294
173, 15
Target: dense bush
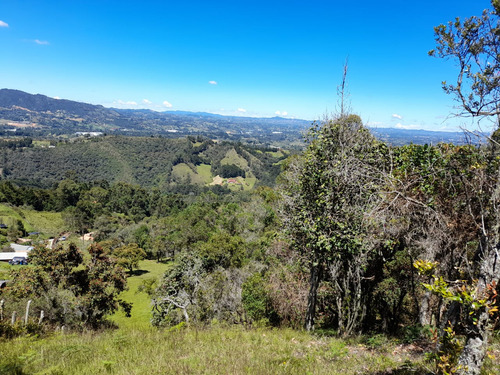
230, 170
71, 289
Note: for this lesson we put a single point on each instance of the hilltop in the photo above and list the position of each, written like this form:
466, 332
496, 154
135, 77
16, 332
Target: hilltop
38, 115
146, 161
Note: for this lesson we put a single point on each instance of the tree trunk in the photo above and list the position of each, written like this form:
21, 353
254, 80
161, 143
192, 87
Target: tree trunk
312, 297
478, 332
424, 314
472, 357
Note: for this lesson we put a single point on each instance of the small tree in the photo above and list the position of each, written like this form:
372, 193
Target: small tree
69, 289
325, 196
129, 256
474, 44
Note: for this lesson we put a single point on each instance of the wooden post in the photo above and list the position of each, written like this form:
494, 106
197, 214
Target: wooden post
27, 312
13, 320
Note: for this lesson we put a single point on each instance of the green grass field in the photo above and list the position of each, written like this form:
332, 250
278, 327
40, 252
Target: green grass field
41, 143
48, 223
136, 347
183, 173
4, 270
275, 154
9, 215
141, 309
232, 157
205, 173
213, 350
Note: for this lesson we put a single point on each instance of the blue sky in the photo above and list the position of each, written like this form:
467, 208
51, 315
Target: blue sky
252, 58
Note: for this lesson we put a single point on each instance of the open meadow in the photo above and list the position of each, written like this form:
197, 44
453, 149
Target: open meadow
135, 347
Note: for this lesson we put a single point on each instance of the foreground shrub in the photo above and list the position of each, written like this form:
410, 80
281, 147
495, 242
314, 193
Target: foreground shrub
69, 290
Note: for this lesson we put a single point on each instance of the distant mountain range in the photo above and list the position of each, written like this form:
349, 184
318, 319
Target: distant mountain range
39, 115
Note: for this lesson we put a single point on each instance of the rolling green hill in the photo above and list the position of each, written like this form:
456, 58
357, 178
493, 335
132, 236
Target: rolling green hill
146, 161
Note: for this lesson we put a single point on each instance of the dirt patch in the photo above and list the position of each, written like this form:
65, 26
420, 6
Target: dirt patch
218, 180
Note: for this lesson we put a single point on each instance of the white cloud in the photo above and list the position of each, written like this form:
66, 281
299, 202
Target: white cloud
277, 113
395, 115
148, 102
122, 103
242, 110
3, 24
408, 127
167, 104
212, 82
56, 97
285, 113
41, 42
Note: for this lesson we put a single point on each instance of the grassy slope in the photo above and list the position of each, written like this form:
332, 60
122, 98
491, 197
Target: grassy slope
183, 173
216, 350
8, 215
232, 157
249, 181
141, 309
276, 154
137, 348
49, 223
205, 173
4, 270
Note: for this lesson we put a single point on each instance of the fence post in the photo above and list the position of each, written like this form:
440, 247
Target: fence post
27, 312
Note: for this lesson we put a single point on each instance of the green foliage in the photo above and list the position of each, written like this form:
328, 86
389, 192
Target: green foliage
189, 289
461, 292
230, 170
128, 256
256, 300
194, 350
417, 333
9, 331
70, 290
144, 161
221, 250
326, 194
58, 264
446, 357
471, 42
376, 341
215, 245
391, 304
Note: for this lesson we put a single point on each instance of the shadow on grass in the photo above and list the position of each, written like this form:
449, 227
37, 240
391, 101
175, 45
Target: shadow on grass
404, 370
11, 366
137, 272
165, 260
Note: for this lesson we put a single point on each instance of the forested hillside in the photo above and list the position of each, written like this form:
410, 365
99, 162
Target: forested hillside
167, 164
358, 237
355, 253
